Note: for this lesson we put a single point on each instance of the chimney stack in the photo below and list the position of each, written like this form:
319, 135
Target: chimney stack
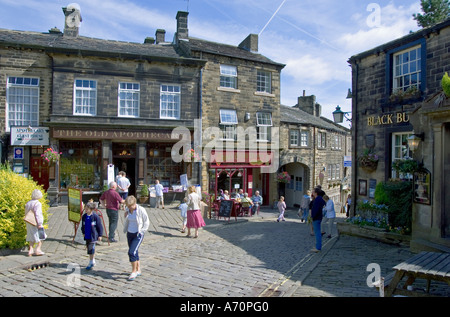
72, 19
182, 26
308, 104
160, 36
250, 43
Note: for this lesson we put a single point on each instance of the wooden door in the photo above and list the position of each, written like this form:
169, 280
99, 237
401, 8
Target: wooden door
39, 171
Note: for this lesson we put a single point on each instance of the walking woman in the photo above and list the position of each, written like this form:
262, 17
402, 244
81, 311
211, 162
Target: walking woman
194, 217
135, 226
33, 231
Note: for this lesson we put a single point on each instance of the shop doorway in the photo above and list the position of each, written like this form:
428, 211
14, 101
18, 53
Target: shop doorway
124, 159
39, 171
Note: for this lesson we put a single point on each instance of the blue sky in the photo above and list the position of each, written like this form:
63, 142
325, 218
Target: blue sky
314, 38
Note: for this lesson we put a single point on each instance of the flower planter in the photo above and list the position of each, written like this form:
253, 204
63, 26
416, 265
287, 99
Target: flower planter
369, 168
374, 233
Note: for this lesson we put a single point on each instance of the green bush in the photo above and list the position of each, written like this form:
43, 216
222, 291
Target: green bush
397, 195
381, 196
15, 192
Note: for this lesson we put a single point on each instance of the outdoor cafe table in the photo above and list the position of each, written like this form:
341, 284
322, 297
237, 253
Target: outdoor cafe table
426, 265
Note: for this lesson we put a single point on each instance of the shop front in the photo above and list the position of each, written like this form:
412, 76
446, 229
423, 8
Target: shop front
88, 154
235, 170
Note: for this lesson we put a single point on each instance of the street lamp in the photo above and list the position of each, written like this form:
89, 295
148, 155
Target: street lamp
339, 115
414, 140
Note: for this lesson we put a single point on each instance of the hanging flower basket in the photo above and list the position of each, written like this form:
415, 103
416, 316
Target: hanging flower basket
191, 156
283, 177
368, 161
51, 156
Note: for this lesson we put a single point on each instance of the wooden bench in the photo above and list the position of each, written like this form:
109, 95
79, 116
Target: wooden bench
430, 266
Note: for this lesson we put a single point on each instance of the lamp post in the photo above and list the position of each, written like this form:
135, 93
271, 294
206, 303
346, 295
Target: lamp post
339, 115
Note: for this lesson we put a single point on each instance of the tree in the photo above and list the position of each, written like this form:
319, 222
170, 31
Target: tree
434, 11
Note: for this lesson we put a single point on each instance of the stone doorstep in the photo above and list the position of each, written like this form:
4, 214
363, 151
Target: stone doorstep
373, 233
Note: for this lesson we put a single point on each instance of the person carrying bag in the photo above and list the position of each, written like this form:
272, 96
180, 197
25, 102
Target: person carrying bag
34, 220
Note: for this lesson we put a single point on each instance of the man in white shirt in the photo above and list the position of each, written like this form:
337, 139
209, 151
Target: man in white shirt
159, 194
123, 183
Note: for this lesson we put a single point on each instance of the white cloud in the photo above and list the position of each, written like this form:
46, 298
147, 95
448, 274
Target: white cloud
395, 23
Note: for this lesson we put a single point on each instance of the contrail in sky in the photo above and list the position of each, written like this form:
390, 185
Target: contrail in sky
271, 17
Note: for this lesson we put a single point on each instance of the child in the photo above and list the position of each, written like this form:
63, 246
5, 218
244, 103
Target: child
281, 209
92, 229
183, 207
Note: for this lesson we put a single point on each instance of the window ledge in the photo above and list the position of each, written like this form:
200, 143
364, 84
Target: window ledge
237, 91
264, 94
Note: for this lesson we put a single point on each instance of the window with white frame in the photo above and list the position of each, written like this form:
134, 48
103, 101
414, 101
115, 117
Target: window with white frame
400, 149
264, 82
407, 70
85, 97
293, 137
304, 138
22, 98
228, 76
170, 101
228, 123
129, 99
321, 140
263, 126
336, 142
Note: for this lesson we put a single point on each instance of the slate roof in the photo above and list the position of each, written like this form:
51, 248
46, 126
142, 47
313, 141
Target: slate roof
196, 44
295, 115
57, 42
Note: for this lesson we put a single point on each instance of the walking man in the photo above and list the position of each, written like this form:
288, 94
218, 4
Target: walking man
316, 214
159, 195
112, 200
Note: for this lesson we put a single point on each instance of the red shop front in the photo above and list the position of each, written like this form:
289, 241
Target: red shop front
234, 170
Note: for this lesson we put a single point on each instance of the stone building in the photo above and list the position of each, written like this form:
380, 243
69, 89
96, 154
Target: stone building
240, 113
99, 103
397, 95
312, 152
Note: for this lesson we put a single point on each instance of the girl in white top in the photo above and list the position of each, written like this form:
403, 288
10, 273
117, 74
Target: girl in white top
194, 217
135, 226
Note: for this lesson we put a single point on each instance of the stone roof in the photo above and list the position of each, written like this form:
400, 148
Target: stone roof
195, 44
57, 42
294, 115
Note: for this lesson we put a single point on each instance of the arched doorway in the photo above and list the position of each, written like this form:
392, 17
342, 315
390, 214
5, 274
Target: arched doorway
298, 185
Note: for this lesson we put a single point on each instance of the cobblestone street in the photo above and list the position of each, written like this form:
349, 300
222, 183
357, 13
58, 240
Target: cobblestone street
253, 257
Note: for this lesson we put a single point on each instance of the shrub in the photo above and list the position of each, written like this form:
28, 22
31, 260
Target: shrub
15, 192
397, 195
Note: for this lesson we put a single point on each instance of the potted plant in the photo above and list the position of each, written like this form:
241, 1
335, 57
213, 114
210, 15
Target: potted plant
368, 160
405, 166
400, 95
144, 194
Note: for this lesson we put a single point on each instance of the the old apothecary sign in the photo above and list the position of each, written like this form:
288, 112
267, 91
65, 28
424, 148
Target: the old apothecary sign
391, 118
